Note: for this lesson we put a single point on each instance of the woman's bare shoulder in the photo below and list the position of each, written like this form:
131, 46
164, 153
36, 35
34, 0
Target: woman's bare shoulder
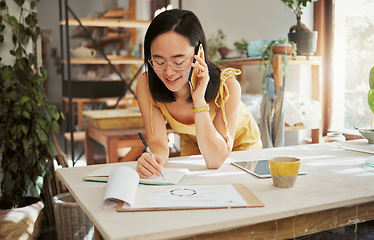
233, 85
142, 84
143, 80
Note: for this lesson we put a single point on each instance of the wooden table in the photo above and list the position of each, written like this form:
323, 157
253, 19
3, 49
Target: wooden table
337, 191
112, 140
80, 106
313, 61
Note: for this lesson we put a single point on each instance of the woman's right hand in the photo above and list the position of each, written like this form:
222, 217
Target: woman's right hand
148, 166
203, 79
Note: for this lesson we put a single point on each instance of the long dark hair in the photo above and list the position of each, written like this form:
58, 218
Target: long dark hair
187, 24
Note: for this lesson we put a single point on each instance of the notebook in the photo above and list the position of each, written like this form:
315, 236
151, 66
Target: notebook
172, 175
124, 192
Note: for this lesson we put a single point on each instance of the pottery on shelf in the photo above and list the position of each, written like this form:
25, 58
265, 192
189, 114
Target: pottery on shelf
83, 52
224, 51
283, 48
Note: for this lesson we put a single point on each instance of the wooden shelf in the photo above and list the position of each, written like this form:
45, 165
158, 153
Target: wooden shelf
108, 22
300, 60
114, 60
111, 37
80, 33
117, 13
313, 61
78, 136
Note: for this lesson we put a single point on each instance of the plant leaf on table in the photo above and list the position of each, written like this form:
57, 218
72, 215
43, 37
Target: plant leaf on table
371, 91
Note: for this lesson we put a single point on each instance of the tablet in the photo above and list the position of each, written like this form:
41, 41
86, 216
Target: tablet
258, 168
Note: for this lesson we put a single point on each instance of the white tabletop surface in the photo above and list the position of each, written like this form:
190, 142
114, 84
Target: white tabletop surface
336, 178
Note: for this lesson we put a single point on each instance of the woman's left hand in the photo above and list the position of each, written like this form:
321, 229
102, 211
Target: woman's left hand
203, 78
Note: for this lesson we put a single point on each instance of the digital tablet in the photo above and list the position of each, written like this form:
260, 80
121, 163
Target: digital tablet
258, 168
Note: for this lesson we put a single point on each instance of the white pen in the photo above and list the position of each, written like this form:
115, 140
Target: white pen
147, 149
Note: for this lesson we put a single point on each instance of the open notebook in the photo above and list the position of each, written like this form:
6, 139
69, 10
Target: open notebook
172, 175
124, 192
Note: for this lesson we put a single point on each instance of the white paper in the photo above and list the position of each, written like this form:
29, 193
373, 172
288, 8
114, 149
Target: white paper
121, 186
191, 196
358, 146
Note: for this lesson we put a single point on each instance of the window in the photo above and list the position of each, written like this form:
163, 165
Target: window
353, 55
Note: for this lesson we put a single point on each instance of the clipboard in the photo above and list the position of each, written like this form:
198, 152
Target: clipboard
245, 193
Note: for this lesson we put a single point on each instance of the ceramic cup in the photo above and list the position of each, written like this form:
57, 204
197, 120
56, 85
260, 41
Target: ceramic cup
284, 171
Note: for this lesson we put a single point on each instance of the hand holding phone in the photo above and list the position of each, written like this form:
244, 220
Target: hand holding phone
192, 78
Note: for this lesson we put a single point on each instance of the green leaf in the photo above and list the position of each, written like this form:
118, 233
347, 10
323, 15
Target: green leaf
14, 167
42, 136
43, 72
2, 5
24, 99
371, 78
8, 182
55, 127
20, 2
36, 35
25, 144
55, 113
21, 64
26, 114
13, 19
12, 145
6, 74
28, 106
24, 129
46, 113
33, 4
17, 30
371, 99
14, 39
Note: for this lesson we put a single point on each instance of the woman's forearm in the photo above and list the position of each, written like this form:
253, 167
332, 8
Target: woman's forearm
211, 143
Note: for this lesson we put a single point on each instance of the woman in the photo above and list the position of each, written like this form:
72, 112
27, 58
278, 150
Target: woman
210, 119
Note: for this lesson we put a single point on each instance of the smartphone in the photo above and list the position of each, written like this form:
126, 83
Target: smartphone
192, 77
258, 168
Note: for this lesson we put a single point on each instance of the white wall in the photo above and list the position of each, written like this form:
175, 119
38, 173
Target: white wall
249, 19
14, 10
255, 20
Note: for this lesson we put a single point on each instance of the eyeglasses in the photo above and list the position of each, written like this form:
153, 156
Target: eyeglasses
178, 64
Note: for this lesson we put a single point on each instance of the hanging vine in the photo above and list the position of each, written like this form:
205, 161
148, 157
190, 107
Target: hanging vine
27, 120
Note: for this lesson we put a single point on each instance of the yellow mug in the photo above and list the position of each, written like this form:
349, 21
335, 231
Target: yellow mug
284, 171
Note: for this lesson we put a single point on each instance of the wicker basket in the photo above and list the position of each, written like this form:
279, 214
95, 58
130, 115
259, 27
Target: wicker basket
71, 221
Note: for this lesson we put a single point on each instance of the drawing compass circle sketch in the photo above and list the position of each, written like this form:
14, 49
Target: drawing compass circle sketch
183, 192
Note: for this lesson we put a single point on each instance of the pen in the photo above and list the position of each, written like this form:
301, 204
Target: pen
147, 149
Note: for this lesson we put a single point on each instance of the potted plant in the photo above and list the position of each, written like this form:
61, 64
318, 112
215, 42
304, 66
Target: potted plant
369, 133
305, 39
371, 91
27, 119
242, 47
280, 46
216, 44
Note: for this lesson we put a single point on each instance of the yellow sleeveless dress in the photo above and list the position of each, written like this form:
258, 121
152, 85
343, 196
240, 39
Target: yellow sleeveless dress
247, 135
